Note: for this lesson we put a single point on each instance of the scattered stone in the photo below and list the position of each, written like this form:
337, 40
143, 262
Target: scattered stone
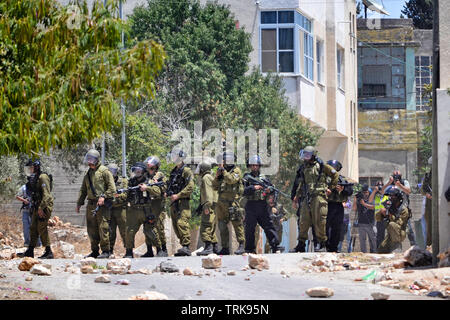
106, 271
88, 262
257, 260
386, 283
188, 272
247, 279
408, 271
27, 263
421, 284
244, 269
29, 279
103, 279
1, 235
379, 296
445, 281
167, 266
87, 269
437, 294
282, 272
118, 270
417, 257
358, 279
212, 261
40, 270
231, 273
64, 250
124, 264
2, 275
320, 292
144, 271
123, 282
399, 265
78, 256
199, 292
150, 295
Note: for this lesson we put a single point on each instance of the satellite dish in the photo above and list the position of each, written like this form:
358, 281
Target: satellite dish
375, 6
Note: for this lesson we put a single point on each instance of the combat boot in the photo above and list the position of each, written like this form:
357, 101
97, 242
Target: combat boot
128, 253
104, 255
28, 253
215, 248
149, 253
93, 254
48, 254
184, 251
160, 252
240, 249
320, 247
224, 252
208, 249
299, 248
277, 249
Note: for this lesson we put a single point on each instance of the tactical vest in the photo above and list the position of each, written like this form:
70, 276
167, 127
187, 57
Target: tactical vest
119, 185
137, 197
314, 179
258, 194
33, 189
176, 181
230, 192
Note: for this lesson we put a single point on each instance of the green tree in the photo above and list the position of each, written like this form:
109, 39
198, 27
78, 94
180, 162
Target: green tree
62, 73
207, 54
421, 12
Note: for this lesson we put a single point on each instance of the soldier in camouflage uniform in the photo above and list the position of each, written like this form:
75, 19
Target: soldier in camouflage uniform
335, 216
99, 187
139, 211
312, 192
179, 190
208, 200
119, 208
397, 215
228, 184
39, 185
156, 193
426, 190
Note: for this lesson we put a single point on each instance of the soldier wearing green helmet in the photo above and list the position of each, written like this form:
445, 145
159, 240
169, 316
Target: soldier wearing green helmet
99, 188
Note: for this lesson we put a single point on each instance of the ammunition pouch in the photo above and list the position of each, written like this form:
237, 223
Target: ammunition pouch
236, 213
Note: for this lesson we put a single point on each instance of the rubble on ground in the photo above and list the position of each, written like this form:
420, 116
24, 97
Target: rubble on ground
212, 261
150, 295
257, 261
27, 263
320, 292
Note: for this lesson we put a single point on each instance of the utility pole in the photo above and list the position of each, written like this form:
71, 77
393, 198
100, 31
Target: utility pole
124, 143
434, 170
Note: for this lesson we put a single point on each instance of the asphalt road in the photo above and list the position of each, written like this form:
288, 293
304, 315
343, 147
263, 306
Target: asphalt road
213, 284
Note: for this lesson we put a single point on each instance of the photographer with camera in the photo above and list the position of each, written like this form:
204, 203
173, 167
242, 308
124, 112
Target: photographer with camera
397, 181
365, 211
396, 215
377, 197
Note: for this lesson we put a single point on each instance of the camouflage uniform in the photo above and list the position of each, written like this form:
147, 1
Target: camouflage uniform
276, 213
42, 199
396, 228
208, 200
119, 213
180, 211
98, 224
230, 189
157, 207
314, 204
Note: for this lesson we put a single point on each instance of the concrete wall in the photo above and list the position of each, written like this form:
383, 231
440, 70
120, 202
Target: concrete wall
444, 43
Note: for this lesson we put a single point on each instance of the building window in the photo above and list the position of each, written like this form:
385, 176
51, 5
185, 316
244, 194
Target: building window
308, 56
423, 80
374, 90
340, 68
370, 181
319, 59
280, 47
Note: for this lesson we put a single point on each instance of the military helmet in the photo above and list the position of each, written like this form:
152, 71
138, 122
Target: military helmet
152, 161
91, 157
176, 156
35, 164
335, 164
114, 168
307, 153
255, 159
203, 167
138, 169
396, 193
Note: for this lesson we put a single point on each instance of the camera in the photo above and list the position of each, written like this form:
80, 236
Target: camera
397, 177
387, 204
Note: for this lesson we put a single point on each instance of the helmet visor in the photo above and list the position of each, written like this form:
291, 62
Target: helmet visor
90, 159
28, 170
136, 172
113, 171
305, 155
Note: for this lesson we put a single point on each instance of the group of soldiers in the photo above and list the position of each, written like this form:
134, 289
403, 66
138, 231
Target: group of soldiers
245, 200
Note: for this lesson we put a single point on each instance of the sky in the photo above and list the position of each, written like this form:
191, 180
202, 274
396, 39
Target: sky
394, 7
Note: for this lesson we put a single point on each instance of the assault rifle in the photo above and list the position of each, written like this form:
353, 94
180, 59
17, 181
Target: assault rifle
264, 183
131, 189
